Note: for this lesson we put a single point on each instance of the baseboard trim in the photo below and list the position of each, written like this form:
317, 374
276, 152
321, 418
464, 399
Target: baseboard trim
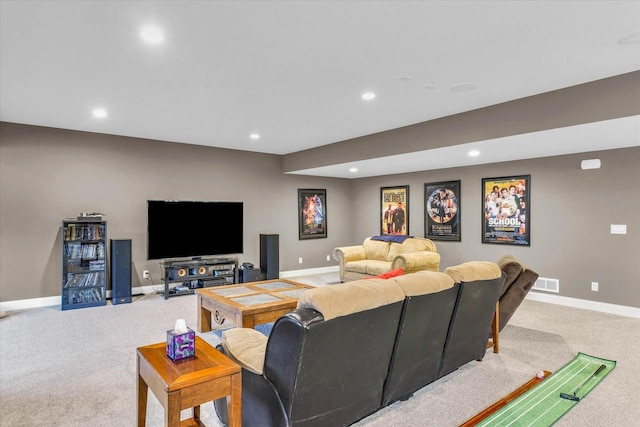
620, 310
604, 307
25, 304
149, 289
309, 271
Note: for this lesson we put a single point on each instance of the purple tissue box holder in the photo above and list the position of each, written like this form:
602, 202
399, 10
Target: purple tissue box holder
181, 346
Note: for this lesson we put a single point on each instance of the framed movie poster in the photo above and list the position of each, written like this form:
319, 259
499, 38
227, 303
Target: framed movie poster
312, 214
442, 211
394, 210
506, 210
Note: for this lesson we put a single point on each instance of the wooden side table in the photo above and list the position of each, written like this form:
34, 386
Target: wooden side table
188, 383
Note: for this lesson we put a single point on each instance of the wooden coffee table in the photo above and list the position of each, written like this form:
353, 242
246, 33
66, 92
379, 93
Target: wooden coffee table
188, 383
248, 304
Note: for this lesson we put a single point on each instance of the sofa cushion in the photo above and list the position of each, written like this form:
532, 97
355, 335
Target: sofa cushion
512, 267
351, 297
370, 267
424, 282
389, 274
375, 249
246, 347
413, 244
474, 270
357, 266
375, 268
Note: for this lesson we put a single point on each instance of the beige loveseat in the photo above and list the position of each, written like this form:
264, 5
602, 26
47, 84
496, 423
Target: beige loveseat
375, 257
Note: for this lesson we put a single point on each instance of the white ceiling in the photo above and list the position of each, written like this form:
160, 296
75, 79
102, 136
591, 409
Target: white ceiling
293, 71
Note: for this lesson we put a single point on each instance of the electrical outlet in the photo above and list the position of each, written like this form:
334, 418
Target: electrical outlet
145, 274
328, 257
594, 286
300, 260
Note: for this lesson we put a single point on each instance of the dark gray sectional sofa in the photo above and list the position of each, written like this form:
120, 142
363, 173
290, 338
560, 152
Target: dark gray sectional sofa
349, 350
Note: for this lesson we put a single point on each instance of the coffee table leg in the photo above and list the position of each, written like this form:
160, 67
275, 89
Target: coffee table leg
247, 321
204, 317
234, 401
142, 390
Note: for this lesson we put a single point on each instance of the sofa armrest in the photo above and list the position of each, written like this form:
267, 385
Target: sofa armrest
349, 253
346, 254
259, 395
246, 347
417, 261
513, 297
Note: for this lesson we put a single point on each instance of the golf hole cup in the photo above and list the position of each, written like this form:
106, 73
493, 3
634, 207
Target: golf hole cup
181, 341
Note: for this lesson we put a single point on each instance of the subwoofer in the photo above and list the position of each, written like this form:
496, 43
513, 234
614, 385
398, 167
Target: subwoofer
120, 271
270, 256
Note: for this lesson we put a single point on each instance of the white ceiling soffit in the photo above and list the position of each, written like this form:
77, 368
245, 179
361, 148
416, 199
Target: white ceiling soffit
294, 71
604, 135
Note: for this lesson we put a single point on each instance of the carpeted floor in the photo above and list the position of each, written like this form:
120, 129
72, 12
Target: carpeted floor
77, 367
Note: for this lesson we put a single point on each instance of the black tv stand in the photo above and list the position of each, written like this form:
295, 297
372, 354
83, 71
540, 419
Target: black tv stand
198, 273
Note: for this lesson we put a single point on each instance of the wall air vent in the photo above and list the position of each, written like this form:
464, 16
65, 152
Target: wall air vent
547, 285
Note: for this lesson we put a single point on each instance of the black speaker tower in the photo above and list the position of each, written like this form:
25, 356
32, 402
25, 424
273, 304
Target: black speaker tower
120, 271
270, 256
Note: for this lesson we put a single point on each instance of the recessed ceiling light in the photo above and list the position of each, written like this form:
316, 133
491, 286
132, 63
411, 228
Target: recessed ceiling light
473, 153
368, 96
152, 35
254, 136
429, 87
353, 170
99, 113
464, 87
633, 38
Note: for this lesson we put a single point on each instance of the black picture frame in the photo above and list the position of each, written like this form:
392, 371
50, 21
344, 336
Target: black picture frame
506, 210
312, 214
394, 210
442, 211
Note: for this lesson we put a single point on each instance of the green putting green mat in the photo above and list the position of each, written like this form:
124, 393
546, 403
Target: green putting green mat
542, 405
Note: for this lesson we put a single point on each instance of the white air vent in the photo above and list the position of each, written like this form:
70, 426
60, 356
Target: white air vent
547, 285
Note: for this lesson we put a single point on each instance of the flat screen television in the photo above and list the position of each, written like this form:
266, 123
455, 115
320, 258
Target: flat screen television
179, 229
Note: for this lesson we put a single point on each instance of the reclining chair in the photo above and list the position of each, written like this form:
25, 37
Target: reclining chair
519, 281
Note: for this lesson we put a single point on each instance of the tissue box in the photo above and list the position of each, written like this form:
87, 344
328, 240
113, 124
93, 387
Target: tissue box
181, 345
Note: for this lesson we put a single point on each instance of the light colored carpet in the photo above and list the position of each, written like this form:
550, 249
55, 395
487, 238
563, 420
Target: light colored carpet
78, 368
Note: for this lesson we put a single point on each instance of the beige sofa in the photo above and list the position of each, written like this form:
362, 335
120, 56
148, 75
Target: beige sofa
375, 257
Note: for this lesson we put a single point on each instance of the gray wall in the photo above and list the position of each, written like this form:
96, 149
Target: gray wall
571, 213
47, 175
